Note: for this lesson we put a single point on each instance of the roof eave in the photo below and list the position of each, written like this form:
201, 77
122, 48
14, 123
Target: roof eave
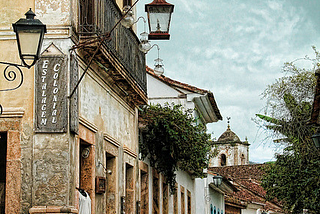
208, 109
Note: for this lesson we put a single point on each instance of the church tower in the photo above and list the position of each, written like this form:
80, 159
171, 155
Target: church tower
231, 150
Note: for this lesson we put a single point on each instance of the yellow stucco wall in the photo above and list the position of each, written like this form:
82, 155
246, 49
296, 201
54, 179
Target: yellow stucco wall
22, 97
53, 13
11, 11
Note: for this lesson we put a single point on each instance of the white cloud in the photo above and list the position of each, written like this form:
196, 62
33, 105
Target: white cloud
262, 154
275, 5
192, 7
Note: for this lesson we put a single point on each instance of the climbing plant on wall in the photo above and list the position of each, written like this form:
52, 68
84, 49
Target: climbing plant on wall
172, 139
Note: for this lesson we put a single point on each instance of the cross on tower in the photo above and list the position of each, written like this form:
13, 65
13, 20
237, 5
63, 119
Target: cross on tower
228, 118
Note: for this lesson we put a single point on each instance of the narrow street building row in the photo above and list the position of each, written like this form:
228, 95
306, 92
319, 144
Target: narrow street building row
69, 133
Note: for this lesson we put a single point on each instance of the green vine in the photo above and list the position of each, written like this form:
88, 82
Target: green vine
173, 140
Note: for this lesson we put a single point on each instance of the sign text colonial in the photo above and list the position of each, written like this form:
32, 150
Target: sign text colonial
51, 94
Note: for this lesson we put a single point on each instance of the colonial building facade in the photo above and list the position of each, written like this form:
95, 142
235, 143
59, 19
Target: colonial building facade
60, 136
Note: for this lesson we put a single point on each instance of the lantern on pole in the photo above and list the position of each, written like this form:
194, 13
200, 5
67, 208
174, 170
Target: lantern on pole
159, 16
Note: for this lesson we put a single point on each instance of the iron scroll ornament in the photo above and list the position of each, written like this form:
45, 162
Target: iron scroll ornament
11, 73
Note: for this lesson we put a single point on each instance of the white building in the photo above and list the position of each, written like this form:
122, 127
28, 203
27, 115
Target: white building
210, 196
193, 195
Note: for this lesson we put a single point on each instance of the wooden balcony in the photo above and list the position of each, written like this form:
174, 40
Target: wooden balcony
120, 56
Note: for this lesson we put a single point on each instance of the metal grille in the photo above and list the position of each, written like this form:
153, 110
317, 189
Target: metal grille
87, 17
99, 17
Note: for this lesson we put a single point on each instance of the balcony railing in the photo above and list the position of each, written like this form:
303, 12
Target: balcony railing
99, 17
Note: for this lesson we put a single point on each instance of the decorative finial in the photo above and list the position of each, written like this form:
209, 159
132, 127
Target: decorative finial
228, 118
30, 14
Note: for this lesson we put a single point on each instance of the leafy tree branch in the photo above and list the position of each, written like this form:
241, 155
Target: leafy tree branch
294, 177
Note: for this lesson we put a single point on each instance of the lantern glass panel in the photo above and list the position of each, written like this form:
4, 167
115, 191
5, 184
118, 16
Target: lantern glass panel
159, 19
29, 43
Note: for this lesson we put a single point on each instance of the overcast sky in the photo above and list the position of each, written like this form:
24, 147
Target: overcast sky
235, 49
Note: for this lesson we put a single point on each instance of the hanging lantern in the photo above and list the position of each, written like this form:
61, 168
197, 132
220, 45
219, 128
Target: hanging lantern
128, 19
159, 17
158, 67
144, 45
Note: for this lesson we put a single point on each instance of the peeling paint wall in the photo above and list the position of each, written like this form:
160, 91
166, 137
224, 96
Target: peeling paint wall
26, 168
54, 12
52, 158
11, 11
103, 108
45, 173
117, 134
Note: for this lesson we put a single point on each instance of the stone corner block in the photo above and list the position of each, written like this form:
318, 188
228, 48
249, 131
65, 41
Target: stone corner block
52, 210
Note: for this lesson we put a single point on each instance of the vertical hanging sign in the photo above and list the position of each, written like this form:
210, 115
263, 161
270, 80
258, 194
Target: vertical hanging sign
51, 91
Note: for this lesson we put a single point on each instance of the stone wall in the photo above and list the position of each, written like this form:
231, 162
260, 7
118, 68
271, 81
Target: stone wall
51, 169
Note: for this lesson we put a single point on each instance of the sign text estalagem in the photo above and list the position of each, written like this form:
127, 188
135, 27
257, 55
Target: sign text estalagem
51, 114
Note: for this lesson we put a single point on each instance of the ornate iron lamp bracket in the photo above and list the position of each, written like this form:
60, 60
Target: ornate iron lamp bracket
29, 33
11, 73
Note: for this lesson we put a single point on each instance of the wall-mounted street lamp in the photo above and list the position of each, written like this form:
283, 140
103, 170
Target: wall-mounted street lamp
144, 45
217, 180
159, 17
29, 34
128, 22
108, 171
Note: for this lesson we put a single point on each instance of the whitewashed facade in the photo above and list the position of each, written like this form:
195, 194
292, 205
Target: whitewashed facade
204, 194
